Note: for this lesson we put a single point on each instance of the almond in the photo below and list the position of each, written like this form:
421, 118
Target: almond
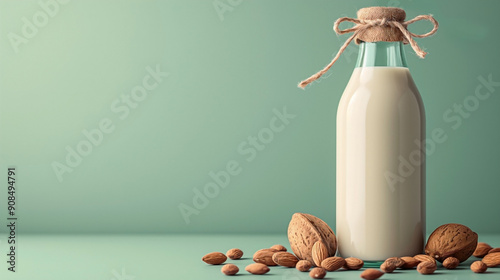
451, 263
478, 267
397, 261
388, 266
304, 230
214, 258
332, 263
279, 248
234, 254
303, 265
257, 268
264, 256
426, 267
353, 263
482, 250
451, 240
492, 260
230, 269
494, 250
410, 262
285, 259
424, 258
317, 273
371, 274
319, 253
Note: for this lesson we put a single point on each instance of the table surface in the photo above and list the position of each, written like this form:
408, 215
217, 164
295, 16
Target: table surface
141, 257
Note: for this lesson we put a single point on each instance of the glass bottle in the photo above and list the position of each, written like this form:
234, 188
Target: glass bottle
380, 161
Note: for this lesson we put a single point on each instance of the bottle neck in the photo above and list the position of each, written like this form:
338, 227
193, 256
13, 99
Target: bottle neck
388, 54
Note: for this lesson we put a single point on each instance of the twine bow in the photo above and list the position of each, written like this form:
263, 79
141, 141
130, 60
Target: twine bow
362, 25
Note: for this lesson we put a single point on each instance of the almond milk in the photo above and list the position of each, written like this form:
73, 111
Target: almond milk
380, 195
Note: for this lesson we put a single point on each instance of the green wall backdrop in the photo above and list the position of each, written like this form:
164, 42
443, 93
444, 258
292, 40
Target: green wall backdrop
70, 68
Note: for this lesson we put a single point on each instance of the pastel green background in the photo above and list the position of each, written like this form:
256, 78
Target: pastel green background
226, 78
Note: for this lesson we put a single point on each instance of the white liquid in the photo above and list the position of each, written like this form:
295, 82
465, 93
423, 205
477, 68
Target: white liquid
379, 120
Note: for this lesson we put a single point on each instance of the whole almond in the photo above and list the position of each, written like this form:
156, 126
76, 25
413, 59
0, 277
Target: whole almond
257, 268
426, 267
353, 263
319, 252
410, 262
494, 250
214, 258
332, 263
451, 263
482, 250
304, 230
371, 274
279, 248
478, 267
492, 260
234, 254
317, 273
451, 240
424, 258
397, 261
388, 266
264, 256
230, 269
303, 265
285, 259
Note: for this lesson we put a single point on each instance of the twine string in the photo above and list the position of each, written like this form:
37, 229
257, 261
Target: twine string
362, 25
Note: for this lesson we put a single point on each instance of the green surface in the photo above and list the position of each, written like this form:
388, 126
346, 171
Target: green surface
230, 74
174, 257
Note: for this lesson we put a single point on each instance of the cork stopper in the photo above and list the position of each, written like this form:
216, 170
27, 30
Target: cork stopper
377, 32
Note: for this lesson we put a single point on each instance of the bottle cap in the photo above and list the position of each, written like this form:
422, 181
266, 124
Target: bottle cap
380, 32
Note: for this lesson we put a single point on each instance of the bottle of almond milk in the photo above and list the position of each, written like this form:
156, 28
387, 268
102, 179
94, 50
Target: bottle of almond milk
380, 210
